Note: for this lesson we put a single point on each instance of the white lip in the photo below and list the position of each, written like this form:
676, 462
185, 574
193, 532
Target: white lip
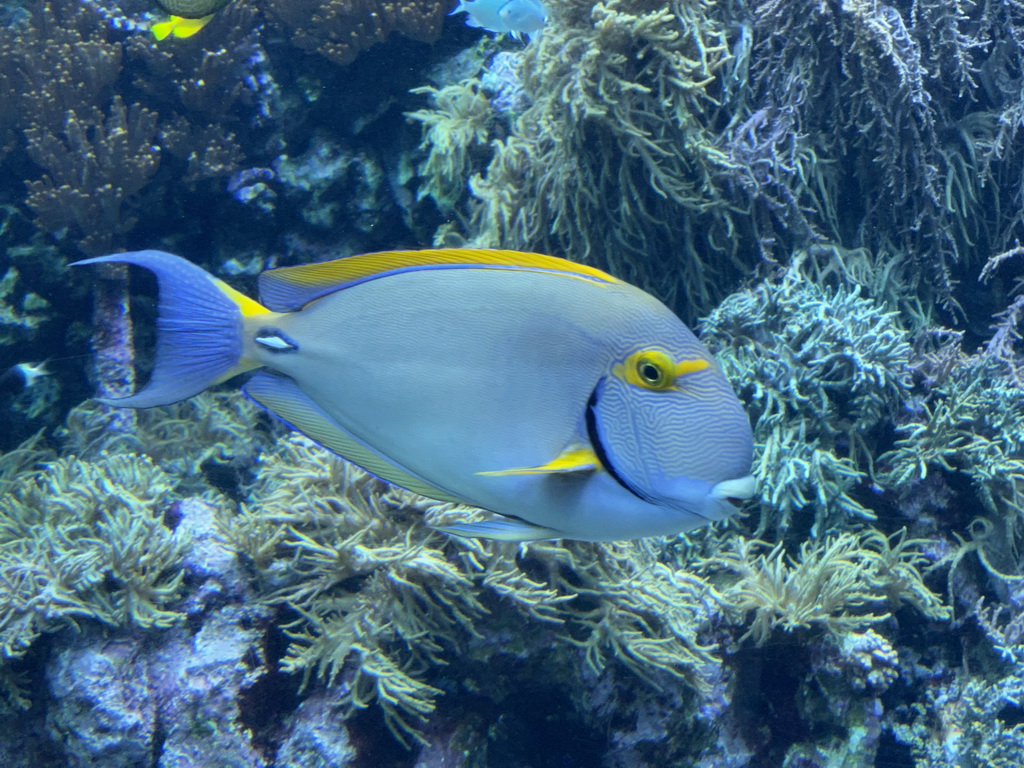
740, 488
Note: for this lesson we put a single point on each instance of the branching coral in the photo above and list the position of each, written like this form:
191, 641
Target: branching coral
972, 718
455, 128
211, 429
969, 421
205, 77
675, 144
57, 59
58, 72
61, 79
326, 542
822, 369
876, 91
209, 84
86, 540
965, 722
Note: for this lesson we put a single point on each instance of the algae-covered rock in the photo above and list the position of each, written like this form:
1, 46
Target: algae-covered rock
101, 704
198, 681
172, 700
316, 738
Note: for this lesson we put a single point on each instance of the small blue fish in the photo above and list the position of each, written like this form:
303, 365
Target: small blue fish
22, 376
519, 18
571, 403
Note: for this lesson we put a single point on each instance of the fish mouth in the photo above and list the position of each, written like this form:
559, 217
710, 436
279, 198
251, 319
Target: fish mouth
733, 492
594, 435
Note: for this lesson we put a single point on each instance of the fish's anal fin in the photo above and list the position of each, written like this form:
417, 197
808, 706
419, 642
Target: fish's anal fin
575, 458
282, 397
501, 529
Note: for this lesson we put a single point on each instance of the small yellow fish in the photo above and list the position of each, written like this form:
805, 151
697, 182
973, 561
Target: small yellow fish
186, 17
179, 27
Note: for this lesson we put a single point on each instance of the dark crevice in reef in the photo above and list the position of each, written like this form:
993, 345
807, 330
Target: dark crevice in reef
264, 705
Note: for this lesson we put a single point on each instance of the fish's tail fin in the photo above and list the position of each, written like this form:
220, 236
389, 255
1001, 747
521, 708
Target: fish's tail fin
198, 329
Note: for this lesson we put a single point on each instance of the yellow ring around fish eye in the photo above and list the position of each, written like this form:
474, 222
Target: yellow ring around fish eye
650, 369
655, 369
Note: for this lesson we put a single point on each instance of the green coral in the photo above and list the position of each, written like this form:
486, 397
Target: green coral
456, 130
213, 428
821, 369
386, 603
615, 158
86, 540
835, 585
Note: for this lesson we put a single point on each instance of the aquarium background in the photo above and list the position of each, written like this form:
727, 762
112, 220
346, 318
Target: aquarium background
830, 192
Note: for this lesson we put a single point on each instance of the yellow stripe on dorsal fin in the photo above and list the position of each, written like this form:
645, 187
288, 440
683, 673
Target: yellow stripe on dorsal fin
290, 288
575, 458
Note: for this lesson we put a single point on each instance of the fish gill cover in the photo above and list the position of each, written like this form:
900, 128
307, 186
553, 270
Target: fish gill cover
833, 188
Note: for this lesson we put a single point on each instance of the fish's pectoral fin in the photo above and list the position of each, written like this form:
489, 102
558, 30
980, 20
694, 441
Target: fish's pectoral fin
501, 529
575, 458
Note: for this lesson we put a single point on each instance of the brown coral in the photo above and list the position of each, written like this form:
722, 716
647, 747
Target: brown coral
341, 29
93, 169
57, 59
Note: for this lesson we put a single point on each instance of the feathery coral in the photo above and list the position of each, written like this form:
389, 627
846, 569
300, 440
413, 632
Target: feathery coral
86, 540
390, 609
834, 585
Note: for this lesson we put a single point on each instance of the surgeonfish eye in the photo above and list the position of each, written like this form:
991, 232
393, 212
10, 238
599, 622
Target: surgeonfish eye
655, 369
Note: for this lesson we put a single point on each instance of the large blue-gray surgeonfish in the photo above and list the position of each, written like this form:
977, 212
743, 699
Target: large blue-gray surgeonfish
571, 404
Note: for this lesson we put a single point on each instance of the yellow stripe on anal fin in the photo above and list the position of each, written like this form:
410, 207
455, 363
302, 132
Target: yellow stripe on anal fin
575, 458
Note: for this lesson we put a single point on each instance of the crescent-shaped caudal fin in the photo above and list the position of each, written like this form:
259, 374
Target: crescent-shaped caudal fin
198, 329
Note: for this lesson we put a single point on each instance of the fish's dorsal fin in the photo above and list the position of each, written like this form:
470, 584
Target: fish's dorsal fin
288, 289
575, 458
282, 397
